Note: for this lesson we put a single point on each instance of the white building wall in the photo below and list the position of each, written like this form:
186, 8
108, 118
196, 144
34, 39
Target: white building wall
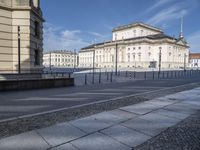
132, 33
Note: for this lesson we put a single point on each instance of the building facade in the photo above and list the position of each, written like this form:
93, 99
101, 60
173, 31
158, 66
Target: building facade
137, 46
24, 16
63, 59
194, 60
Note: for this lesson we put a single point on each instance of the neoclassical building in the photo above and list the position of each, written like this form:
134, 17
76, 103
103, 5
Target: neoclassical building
27, 15
137, 45
61, 58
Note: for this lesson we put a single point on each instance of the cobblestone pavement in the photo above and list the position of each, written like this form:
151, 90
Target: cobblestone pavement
161, 123
183, 136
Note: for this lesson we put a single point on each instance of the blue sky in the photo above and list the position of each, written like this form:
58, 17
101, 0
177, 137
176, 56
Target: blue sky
73, 24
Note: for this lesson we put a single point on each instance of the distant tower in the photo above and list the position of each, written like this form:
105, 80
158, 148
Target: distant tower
181, 33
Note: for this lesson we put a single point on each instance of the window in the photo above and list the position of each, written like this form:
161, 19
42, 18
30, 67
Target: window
37, 29
36, 58
128, 57
115, 36
142, 32
133, 56
134, 32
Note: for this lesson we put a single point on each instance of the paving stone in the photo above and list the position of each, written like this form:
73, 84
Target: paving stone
98, 141
144, 126
125, 135
123, 114
109, 118
161, 102
163, 121
25, 141
141, 108
67, 146
177, 96
89, 124
171, 114
195, 103
60, 133
181, 108
183, 136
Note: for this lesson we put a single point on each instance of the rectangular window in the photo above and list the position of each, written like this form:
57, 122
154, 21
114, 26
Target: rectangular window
37, 29
37, 58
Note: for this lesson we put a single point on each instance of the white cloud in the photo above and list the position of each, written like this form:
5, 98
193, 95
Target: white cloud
174, 12
57, 38
158, 4
100, 37
193, 41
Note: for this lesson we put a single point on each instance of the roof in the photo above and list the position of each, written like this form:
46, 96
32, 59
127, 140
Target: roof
136, 24
194, 56
151, 37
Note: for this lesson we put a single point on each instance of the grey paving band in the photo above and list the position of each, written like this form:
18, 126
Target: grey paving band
32, 122
183, 136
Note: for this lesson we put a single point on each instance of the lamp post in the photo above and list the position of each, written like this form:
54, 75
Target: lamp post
185, 62
50, 61
74, 59
93, 65
116, 60
19, 51
160, 57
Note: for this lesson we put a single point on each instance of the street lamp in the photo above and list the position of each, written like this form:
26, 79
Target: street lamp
19, 51
116, 60
185, 62
74, 59
160, 57
50, 62
93, 64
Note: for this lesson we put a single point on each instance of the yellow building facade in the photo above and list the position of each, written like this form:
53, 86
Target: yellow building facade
27, 15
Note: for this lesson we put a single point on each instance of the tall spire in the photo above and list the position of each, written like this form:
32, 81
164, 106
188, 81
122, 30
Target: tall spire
181, 33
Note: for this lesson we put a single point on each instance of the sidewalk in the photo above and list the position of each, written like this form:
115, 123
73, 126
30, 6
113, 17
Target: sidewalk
120, 129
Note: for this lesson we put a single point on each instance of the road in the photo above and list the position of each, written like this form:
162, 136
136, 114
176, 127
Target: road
19, 103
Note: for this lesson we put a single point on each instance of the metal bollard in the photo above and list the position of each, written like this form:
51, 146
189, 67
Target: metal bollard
163, 76
134, 74
111, 76
107, 76
99, 77
85, 79
167, 74
153, 75
171, 74
145, 75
